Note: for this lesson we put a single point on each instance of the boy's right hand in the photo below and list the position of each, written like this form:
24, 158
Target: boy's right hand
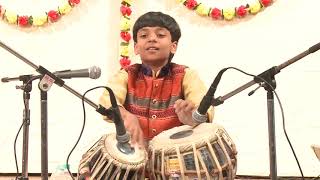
131, 123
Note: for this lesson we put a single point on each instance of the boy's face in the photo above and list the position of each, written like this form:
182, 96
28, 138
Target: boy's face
154, 45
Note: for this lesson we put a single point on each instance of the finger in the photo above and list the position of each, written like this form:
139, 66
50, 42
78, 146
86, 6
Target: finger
134, 137
178, 105
141, 140
130, 130
189, 107
137, 138
183, 105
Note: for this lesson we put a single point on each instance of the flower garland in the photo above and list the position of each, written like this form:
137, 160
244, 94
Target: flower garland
201, 9
38, 20
226, 13
125, 35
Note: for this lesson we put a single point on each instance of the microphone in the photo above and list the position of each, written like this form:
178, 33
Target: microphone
93, 72
199, 115
113, 113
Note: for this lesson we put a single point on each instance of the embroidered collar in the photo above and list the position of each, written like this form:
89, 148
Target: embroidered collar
146, 70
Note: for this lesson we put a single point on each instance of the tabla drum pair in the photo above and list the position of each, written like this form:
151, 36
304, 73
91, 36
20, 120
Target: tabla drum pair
203, 152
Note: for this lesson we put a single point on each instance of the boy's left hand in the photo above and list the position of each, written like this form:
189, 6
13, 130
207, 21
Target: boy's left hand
184, 109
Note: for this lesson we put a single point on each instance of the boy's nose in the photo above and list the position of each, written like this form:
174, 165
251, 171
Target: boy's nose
152, 37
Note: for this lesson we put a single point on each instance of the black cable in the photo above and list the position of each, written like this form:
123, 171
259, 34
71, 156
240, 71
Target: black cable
282, 113
82, 129
283, 117
287, 137
15, 151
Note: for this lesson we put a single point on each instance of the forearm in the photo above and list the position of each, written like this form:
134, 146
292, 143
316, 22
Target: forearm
124, 113
194, 90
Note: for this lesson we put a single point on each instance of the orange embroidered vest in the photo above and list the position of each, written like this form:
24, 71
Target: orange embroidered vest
151, 99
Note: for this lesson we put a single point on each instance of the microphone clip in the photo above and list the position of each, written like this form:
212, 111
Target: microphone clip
50, 77
105, 112
267, 78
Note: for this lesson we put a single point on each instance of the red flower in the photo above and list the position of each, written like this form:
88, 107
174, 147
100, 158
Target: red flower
125, 10
216, 13
129, 11
191, 4
265, 2
242, 11
126, 36
73, 2
23, 21
53, 15
124, 61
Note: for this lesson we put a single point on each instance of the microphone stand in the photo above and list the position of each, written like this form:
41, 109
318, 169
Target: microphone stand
44, 132
269, 85
47, 79
27, 87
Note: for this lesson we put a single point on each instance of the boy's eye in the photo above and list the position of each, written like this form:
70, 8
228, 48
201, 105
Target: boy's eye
161, 35
143, 36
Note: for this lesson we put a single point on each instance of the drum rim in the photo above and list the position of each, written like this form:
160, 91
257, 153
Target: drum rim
119, 161
170, 148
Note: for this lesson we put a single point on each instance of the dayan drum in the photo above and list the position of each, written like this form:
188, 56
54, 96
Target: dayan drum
204, 152
105, 161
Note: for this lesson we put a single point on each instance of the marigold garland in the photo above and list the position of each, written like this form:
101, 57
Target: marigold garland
125, 35
201, 9
38, 20
226, 13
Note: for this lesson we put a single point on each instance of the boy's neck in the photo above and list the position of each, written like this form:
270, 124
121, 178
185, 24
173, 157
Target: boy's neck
155, 68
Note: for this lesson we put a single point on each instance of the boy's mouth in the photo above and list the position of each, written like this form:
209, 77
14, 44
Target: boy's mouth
152, 49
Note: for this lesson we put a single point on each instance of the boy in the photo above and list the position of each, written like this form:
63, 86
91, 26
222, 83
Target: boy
156, 95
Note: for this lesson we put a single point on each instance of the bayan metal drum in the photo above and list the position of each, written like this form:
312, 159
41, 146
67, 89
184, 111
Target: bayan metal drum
203, 152
105, 161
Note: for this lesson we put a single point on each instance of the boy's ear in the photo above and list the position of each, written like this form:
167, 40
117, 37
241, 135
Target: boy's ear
136, 49
174, 47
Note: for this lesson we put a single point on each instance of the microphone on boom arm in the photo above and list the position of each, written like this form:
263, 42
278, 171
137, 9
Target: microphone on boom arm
93, 72
199, 115
113, 113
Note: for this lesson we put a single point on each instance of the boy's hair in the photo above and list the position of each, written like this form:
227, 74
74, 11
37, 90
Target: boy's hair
153, 19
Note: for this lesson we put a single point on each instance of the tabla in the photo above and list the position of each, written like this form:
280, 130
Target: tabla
104, 161
204, 152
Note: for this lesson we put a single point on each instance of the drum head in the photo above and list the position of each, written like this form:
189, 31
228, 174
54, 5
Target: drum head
183, 135
138, 157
